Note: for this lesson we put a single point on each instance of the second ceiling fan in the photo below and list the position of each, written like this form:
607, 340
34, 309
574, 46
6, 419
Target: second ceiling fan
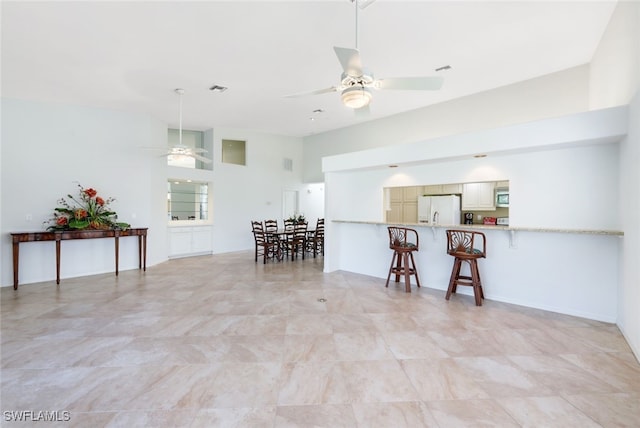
356, 83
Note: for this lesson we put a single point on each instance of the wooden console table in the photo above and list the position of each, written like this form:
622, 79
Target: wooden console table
141, 233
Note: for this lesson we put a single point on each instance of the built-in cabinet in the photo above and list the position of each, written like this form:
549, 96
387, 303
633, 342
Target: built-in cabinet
394, 208
402, 202
441, 189
190, 241
479, 196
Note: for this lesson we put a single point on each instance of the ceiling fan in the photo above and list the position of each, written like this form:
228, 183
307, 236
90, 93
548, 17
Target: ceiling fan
356, 83
182, 150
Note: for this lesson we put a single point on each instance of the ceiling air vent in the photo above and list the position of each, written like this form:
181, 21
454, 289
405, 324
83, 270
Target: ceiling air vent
287, 164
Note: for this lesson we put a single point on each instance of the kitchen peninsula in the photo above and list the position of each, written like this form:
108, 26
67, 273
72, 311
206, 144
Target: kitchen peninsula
562, 249
527, 266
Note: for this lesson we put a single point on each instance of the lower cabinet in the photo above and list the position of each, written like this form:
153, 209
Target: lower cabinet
190, 241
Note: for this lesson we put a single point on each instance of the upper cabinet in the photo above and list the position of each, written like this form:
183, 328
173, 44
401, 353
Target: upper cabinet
401, 203
396, 194
441, 189
479, 196
411, 193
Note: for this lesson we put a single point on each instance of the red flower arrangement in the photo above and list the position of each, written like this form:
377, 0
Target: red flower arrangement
89, 211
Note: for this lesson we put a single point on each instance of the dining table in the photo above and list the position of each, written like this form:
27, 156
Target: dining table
280, 237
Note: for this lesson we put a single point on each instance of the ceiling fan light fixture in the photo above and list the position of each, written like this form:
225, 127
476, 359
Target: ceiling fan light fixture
356, 97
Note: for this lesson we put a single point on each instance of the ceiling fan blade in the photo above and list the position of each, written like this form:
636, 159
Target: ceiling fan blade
425, 83
350, 60
200, 158
316, 92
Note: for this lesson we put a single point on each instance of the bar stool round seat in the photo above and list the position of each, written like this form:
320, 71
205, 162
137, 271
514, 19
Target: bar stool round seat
466, 247
403, 241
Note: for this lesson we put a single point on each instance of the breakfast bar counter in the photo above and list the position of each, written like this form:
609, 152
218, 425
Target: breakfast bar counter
483, 227
570, 271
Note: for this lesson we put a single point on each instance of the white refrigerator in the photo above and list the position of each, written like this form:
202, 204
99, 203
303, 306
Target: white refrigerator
434, 210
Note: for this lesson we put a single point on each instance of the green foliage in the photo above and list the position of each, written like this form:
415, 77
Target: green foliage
87, 211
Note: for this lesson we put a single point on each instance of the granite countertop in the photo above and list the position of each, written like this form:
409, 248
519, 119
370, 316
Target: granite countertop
491, 227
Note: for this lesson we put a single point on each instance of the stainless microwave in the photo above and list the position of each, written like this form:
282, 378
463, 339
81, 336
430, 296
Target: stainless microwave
502, 198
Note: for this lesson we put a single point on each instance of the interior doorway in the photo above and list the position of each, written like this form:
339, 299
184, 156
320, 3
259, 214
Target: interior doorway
289, 203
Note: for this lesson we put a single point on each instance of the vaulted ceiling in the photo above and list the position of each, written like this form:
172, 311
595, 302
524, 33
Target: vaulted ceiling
132, 55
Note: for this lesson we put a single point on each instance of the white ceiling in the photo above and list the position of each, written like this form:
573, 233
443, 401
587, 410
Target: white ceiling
132, 55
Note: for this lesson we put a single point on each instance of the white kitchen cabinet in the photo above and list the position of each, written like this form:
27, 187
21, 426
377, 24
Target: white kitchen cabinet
479, 196
190, 241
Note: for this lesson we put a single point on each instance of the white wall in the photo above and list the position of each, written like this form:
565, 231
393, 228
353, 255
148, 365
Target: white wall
253, 191
628, 291
312, 202
615, 67
572, 188
45, 149
548, 96
615, 79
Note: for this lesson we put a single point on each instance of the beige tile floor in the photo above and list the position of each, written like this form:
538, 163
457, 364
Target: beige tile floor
219, 341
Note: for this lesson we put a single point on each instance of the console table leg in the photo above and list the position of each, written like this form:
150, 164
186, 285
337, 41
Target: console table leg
144, 251
57, 261
16, 255
117, 253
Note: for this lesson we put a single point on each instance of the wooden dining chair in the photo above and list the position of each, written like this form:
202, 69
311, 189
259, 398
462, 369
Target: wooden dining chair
316, 239
296, 242
263, 246
271, 226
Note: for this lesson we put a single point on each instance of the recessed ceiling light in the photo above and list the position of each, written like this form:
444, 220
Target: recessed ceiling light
218, 88
444, 68
318, 110
393, 166
479, 156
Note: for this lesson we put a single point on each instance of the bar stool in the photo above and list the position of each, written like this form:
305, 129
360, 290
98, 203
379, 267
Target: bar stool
402, 262
462, 245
